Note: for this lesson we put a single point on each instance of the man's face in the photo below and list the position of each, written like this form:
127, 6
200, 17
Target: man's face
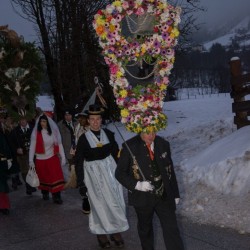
95, 122
68, 117
148, 138
23, 122
82, 120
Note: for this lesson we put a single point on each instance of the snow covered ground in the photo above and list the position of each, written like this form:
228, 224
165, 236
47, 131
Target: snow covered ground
212, 160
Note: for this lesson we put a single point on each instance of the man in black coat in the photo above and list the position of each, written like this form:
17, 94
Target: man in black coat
152, 188
20, 142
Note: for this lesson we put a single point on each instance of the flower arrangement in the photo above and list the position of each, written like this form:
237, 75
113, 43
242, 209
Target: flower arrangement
141, 107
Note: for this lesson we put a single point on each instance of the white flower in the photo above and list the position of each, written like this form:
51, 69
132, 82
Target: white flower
109, 9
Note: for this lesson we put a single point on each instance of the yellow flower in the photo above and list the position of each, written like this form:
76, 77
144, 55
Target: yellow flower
103, 35
161, 6
112, 28
119, 74
150, 129
137, 130
163, 87
174, 33
100, 21
124, 113
146, 104
117, 3
123, 93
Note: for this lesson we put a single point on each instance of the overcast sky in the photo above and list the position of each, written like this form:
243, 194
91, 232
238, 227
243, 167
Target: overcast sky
217, 11
223, 10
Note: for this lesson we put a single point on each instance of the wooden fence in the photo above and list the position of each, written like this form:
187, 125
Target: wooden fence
240, 83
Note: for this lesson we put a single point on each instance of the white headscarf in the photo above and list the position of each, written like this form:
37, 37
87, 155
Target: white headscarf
54, 129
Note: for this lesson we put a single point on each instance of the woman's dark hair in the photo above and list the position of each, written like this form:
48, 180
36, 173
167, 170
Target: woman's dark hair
39, 127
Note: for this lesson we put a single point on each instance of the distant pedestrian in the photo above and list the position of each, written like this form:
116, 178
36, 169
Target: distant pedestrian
67, 129
46, 144
20, 141
9, 126
152, 190
96, 153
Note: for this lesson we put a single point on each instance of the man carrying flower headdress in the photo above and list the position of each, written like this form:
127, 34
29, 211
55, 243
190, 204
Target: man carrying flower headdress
152, 187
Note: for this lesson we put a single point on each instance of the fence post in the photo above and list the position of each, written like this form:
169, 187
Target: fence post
240, 107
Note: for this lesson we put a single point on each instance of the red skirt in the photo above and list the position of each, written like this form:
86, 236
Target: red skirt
50, 174
4, 201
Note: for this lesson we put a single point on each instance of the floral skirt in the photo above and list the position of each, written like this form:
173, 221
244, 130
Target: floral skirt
50, 174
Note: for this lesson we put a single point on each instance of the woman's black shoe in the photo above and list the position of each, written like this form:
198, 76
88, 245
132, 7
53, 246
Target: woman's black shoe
45, 194
29, 189
46, 197
117, 239
57, 198
103, 241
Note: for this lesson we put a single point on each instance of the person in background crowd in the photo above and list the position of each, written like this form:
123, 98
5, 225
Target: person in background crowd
67, 130
157, 193
2, 119
9, 126
81, 128
95, 163
46, 144
20, 141
5, 164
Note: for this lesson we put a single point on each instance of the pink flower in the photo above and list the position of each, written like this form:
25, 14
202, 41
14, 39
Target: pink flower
125, 5
146, 120
139, 11
107, 60
113, 69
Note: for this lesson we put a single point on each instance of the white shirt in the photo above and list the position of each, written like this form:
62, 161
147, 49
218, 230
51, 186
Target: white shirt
48, 141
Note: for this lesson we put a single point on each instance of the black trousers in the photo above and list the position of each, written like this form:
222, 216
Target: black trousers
167, 217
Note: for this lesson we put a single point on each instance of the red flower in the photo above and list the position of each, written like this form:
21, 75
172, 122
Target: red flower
156, 29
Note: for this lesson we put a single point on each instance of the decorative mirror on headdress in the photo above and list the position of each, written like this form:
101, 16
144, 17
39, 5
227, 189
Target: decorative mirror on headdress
138, 39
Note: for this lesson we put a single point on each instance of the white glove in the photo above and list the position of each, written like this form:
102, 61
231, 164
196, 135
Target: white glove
144, 186
9, 162
31, 164
177, 200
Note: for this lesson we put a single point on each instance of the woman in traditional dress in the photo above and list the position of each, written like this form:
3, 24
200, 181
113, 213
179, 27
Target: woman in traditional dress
96, 155
46, 144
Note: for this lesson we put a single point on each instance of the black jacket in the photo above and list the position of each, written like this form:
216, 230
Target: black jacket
85, 152
162, 154
20, 139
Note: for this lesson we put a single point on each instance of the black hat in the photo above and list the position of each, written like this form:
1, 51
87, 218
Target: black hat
94, 109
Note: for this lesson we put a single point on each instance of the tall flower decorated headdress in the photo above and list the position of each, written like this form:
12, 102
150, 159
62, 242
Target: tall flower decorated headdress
141, 106
20, 74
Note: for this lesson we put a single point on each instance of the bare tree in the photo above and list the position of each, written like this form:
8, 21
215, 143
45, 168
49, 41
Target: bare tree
67, 42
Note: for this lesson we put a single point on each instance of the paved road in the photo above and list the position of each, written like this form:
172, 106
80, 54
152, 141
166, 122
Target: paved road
40, 225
